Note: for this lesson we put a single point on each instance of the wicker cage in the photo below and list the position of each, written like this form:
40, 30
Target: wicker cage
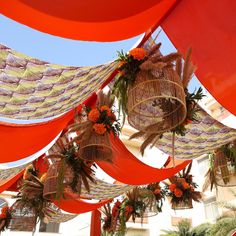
51, 182
182, 205
156, 97
23, 219
96, 148
225, 172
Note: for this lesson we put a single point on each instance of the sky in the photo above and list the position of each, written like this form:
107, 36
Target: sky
65, 51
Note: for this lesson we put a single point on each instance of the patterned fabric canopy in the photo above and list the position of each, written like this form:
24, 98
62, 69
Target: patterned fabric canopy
60, 217
201, 137
34, 89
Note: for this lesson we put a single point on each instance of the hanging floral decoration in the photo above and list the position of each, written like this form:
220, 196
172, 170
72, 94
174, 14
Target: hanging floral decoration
30, 197
93, 132
158, 193
152, 133
182, 191
222, 169
5, 218
68, 170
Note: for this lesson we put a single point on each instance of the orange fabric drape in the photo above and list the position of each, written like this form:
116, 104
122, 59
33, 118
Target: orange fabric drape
90, 20
209, 27
78, 206
20, 141
126, 168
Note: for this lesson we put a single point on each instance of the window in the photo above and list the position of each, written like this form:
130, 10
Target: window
49, 228
211, 209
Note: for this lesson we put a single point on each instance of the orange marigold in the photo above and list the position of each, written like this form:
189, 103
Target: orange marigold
138, 53
107, 109
94, 115
172, 187
186, 185
178, 192
5, 209
99, 128
181, 180
157, 191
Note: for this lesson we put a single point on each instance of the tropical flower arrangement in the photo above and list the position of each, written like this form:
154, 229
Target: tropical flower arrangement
5, 218
94, 128
68, 171
182, 191
30, 196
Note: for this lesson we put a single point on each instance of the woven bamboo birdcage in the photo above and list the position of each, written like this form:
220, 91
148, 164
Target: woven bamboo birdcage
23, 219
225, 170
182, 205
51, 187
156, 97
97, 147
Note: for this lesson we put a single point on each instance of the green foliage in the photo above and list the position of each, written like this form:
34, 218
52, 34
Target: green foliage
184, 229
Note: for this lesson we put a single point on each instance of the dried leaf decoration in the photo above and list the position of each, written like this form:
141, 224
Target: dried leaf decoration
185, 71
93, 132
182, 191
30, 198
67, 171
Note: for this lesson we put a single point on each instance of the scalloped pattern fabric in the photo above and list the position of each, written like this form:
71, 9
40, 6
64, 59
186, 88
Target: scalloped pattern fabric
201, 138
34, 89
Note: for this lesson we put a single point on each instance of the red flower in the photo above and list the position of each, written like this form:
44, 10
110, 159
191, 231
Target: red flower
178, 192
138, 53
5, 209
172, 187
99, 128
94, 115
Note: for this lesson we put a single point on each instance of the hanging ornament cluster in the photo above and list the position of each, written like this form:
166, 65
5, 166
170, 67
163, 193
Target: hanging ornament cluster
137, 203
222, 170
30, 204
68, 172
5, 218
93, 137
152, 92
181, 190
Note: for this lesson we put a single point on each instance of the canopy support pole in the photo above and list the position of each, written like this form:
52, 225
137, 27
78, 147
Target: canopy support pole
95, 227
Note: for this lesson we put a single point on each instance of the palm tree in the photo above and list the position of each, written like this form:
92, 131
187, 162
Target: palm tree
184, 229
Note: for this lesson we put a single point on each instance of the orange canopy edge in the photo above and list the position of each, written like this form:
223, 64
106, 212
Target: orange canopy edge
90, 20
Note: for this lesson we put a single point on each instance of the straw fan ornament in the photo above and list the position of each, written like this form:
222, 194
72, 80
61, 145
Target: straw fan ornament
30, 204
176, 112
181, 190
100, 122
222, 170
149, 89
67, 171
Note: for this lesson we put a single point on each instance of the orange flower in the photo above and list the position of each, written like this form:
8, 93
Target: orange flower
178, 192
186, 185
181, 180
157, 191
107, 109
172, 187
5, 209
99, 128
94, 115
138, 53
